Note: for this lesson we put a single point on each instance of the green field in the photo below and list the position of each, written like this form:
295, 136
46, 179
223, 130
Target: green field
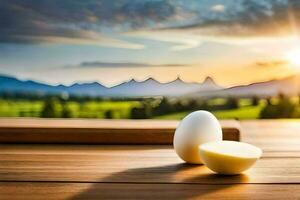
89, 109
122, 109
119, 109
20, 108
246, 112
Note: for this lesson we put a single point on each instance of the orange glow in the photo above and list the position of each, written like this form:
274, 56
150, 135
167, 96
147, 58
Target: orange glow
293, 57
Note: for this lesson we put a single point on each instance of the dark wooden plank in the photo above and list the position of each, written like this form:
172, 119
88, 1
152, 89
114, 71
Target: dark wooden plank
87, 191
144, 164
80, 131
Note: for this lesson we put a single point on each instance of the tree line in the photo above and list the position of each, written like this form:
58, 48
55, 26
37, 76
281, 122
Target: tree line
150, 109
56, 106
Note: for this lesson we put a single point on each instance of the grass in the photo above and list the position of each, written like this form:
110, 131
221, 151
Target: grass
121, 109
89, 109
93, 109
245, 112
20, 108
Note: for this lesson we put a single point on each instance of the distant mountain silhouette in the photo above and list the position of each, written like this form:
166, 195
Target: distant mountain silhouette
12, 84
289, 86
87, 89
152, 87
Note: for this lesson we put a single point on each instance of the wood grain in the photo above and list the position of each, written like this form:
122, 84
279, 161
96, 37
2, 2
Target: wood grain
272, 135
85, 191
83, 131
33, 171
150, 164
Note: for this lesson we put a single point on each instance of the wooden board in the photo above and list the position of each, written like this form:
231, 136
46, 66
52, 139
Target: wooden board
272, 135
114, 164
75, 172
80, 131
86, 191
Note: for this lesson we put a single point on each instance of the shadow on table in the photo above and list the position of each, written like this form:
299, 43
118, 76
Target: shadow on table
163, 182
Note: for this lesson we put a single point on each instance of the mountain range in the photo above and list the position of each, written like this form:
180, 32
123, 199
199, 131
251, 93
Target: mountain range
151, 87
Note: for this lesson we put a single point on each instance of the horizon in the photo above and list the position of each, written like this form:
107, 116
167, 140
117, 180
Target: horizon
141, 81
234, 42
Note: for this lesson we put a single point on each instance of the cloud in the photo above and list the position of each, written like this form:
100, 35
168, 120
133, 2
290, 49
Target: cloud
105, 22
98, 64
247, 18
92, 22
179, 40
218, 8
242, 22
274, 63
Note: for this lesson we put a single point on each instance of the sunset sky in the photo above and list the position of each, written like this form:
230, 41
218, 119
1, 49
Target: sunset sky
111, 41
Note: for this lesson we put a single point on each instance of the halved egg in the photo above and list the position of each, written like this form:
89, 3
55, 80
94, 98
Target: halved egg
229, 157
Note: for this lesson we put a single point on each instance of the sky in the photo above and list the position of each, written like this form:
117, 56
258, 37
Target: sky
234, 41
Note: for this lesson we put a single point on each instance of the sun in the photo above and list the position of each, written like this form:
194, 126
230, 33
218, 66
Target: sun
293, 57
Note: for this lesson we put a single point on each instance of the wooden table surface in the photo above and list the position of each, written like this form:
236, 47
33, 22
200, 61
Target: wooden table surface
151, 171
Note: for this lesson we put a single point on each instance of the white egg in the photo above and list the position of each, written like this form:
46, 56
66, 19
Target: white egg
229, 157
197, 128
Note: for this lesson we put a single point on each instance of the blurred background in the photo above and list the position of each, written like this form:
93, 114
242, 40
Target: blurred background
149, 59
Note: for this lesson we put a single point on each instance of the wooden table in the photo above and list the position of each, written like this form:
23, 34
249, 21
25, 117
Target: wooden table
150, 171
